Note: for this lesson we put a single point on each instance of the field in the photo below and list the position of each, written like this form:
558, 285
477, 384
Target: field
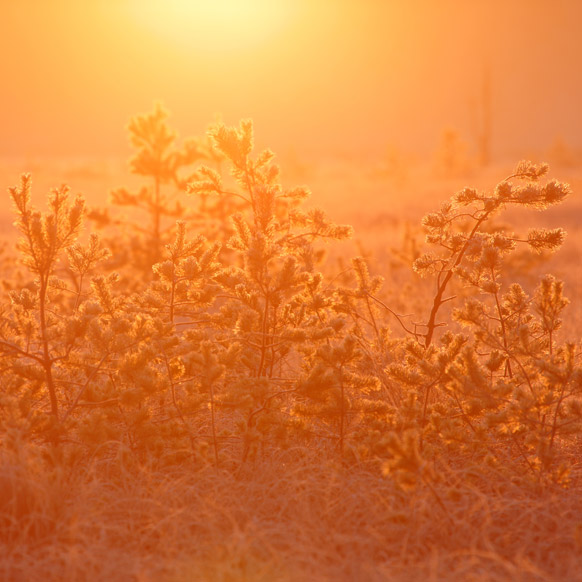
242, 407
290, 291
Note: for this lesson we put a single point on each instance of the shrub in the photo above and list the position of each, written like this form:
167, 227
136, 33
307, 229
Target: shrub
244, 341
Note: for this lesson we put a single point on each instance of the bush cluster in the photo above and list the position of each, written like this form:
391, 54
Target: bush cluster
212, 331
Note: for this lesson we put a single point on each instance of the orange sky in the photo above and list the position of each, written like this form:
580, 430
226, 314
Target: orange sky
319, 77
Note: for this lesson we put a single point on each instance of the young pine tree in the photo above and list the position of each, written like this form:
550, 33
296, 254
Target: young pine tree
42, 330
164, 165
272, 297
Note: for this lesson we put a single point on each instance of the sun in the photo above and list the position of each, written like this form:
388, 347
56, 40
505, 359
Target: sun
219, 26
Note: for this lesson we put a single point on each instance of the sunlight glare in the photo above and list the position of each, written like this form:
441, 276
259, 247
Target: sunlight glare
219, 26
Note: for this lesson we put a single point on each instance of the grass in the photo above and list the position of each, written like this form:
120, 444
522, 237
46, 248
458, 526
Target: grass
286, 518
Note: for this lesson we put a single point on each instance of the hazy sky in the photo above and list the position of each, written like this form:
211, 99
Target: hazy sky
319, 77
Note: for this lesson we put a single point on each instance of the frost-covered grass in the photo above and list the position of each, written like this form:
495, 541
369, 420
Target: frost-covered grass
291, 517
